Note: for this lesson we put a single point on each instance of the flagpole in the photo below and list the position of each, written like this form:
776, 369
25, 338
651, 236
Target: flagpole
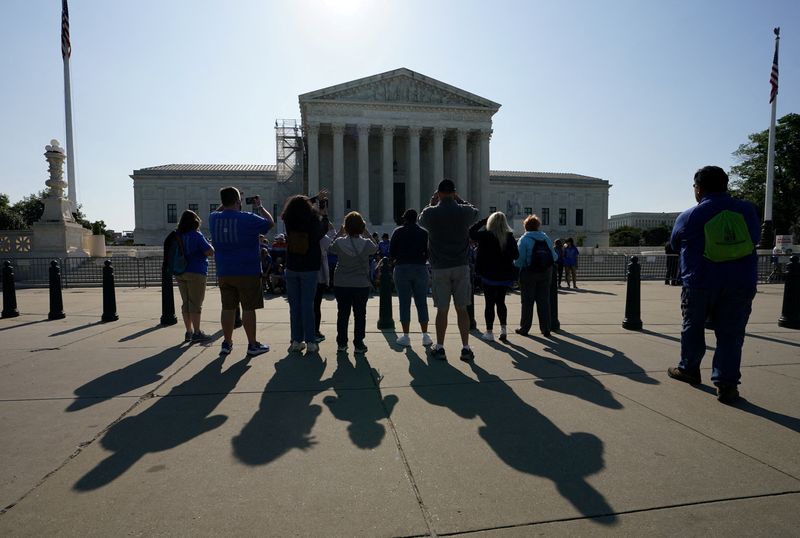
72, 195
66, 52
767, 231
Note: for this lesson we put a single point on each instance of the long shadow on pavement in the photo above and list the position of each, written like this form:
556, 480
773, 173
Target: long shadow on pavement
124, 380
541, 367
172, 420
519, 434
787, 421
588, 355
285, 416
769, 339
362, 406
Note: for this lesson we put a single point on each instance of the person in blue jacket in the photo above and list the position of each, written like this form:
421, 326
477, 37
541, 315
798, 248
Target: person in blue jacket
723, 290
536, 259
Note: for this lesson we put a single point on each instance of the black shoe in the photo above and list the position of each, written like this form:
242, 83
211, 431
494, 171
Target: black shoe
320, 337
467, 354
503, 337
691, 377
521, 332
546, 334
727, 394
439, 354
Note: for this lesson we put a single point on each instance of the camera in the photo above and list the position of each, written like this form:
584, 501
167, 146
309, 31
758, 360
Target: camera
250, 200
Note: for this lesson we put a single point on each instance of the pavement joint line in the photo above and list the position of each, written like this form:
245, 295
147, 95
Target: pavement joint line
624, 512
706, 435
781, 373
426, 516
84, 444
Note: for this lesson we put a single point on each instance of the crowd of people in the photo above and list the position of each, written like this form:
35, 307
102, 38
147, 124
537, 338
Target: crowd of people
444, 250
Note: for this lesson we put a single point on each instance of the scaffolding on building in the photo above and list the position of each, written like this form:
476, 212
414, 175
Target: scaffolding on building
289, 159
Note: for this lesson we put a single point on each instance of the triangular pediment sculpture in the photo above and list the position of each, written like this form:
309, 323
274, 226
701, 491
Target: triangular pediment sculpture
400, 86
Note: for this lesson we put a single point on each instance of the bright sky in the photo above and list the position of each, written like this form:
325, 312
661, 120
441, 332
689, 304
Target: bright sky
638, 92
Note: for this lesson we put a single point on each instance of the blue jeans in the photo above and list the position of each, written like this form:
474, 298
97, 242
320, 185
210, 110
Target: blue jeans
728, 309
301, 286
412, 279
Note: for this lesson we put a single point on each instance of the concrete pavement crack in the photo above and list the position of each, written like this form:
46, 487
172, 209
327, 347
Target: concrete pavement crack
623, 512
426, 516
84, 444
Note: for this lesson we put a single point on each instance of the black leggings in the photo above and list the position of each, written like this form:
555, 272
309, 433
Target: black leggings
495, 296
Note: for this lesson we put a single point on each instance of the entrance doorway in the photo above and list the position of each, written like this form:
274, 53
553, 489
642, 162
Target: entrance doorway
399, 202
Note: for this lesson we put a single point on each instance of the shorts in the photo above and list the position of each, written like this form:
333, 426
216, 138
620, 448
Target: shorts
455, 282
193, 291
241, 289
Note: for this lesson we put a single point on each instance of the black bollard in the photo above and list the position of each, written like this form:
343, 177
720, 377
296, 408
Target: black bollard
9, 292
167, 299
109, 295
56, 300
385, 320
555, 325
237, 320
790, 313
633, 316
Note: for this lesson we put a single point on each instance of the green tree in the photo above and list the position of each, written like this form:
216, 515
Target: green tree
658, 236
750, 175
625, 236
9, 219
31, 207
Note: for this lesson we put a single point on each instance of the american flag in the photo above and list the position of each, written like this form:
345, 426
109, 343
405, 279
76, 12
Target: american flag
773, 77
66, 48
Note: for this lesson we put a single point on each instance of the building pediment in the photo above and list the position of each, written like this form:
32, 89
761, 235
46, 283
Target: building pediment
401, 86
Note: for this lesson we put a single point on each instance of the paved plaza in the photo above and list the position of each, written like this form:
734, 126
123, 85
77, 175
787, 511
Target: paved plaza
112, 429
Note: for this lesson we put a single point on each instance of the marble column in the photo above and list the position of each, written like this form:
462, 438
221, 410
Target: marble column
438, 155
312, 140
475, 172
414, 177
462, 183
338, 196
484, 202
388, 175
363, 172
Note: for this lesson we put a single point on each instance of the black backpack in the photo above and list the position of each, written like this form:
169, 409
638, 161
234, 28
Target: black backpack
541, 257
174, 256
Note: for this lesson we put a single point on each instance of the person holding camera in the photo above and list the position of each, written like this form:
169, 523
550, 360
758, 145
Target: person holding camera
305, 226
447, 220
235, 236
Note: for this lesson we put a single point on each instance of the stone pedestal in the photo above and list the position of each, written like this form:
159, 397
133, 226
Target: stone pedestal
57, 234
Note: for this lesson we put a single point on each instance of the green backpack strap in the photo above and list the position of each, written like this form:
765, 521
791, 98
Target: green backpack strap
727, 237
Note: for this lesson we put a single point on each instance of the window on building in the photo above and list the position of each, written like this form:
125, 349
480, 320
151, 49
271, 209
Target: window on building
172, 213
348, 204
545, 216
528, 211
492, 209
562, 216
579, 217
212, 207
274, 211
194, 207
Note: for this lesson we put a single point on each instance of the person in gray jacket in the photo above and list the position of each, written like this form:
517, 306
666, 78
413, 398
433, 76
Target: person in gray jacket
447, 220
353, 245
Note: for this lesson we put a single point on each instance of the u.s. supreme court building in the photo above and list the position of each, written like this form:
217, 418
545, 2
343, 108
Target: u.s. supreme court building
379, 145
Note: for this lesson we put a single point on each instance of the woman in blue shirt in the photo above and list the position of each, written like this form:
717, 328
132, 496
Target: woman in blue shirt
192, 282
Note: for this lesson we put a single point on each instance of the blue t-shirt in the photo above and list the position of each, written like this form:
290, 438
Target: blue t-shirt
194, 248
235, 238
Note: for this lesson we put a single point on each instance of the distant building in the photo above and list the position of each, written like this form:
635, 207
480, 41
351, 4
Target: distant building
380, 145
643, 221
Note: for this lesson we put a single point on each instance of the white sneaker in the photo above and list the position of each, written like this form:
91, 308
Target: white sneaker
312, 347
404, 340
426, 340
488, 336
297, 346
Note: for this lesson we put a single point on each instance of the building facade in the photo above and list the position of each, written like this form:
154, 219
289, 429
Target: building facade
643, 221
380, 145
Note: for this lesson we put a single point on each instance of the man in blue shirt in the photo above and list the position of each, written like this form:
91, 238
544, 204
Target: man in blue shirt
235, 235
723, 290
